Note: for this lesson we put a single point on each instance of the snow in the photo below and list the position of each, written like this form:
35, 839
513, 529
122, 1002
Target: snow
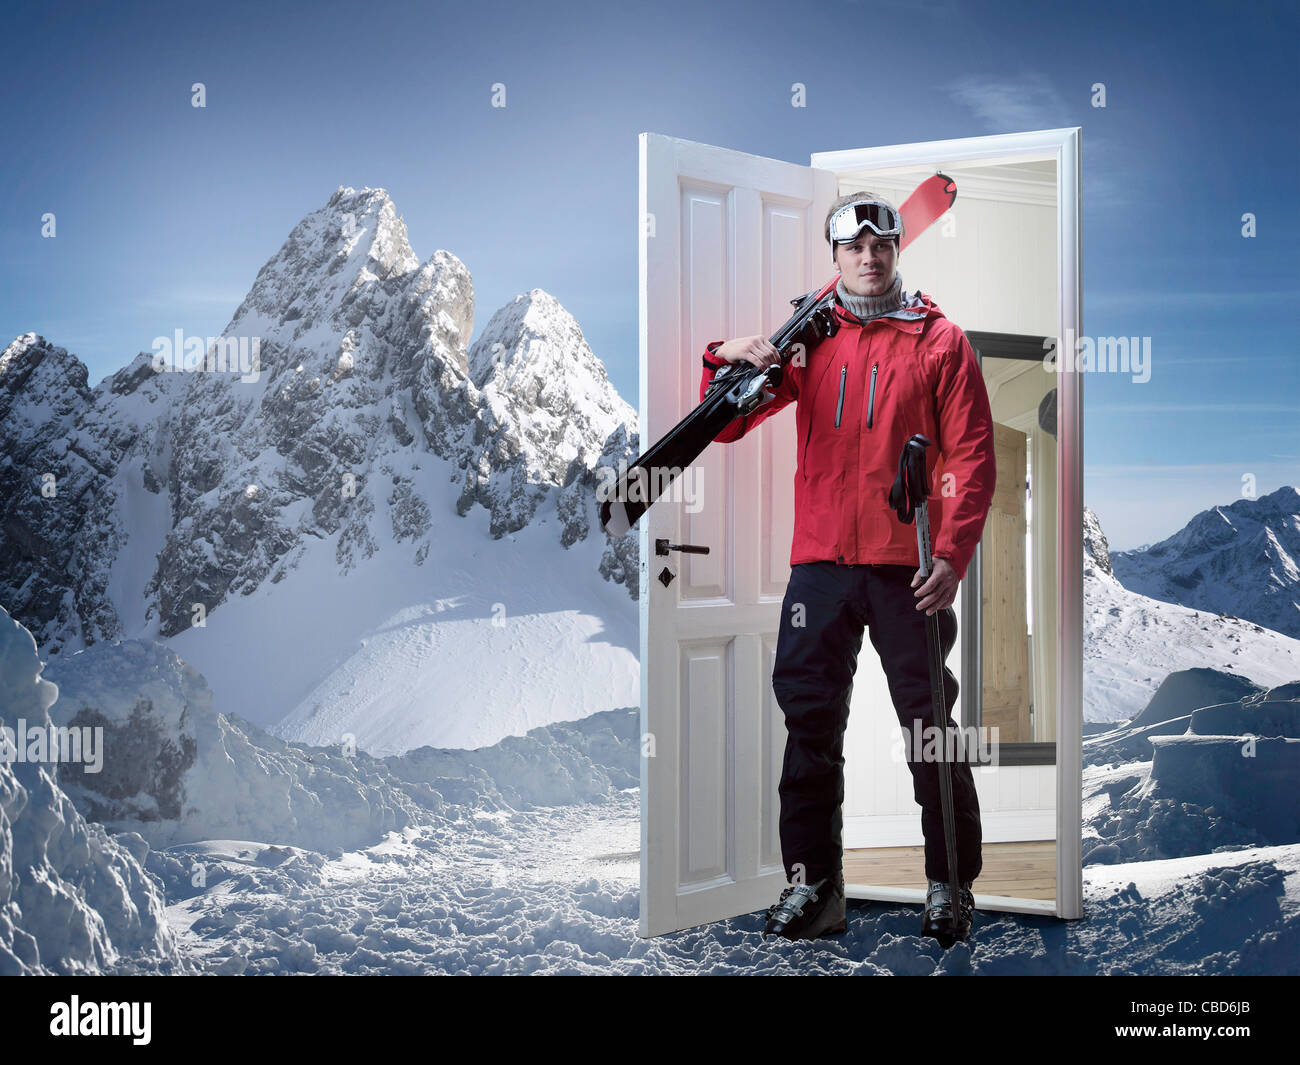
555, 892
401, 741
1132, 642
73, 898
523, 857
456, 653
146, 516
177, 771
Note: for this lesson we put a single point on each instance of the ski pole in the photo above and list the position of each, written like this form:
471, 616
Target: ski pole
909, 497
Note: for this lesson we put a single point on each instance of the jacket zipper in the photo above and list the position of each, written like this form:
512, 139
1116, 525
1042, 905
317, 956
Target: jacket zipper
871, 399
844, 372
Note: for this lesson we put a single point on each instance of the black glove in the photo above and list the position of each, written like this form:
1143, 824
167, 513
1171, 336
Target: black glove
821, 324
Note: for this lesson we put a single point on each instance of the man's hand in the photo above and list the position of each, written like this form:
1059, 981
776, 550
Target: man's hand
940, 590
756, 349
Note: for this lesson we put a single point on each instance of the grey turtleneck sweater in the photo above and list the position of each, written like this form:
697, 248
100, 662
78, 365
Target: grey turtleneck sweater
867, 307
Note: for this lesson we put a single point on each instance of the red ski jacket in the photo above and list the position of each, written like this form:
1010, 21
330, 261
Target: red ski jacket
860, 396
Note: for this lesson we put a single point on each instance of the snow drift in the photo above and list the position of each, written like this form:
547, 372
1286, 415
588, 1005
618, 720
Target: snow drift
1196, 775
176, 771
73, 899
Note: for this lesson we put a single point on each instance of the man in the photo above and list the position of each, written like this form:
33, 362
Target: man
895, 367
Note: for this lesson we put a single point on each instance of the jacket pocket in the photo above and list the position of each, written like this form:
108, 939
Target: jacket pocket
871, 399
839, 407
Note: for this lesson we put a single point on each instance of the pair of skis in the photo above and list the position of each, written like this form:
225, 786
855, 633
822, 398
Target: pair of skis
735, 390
741, 387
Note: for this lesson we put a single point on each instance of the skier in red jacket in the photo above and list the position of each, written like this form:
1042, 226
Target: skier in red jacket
895, 367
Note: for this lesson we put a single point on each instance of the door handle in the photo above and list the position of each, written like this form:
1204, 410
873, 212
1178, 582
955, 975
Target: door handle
662, 547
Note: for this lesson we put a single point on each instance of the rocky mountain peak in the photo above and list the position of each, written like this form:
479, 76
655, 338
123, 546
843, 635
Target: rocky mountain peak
533, 350
1095, 548
352, 243
547, 392
177, 490
534, 339
1238, 559
45, 378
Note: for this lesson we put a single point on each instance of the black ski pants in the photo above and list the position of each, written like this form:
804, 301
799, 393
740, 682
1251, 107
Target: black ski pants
826, 607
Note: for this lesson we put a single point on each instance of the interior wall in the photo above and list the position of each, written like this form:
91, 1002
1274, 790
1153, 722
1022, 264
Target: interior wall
990, 262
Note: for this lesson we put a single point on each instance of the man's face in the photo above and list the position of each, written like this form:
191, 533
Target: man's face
868, 264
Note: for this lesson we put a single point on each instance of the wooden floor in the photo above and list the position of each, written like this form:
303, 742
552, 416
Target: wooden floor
1021, 870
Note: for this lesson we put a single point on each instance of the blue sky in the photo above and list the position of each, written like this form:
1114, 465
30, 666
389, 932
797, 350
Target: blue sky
166, 212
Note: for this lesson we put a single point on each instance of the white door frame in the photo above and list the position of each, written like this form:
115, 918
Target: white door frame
732, 658
1064, 147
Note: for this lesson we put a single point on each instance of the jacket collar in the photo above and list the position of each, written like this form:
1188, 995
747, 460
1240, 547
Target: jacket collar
917, 307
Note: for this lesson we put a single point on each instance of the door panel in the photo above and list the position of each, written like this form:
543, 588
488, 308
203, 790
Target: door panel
729, 243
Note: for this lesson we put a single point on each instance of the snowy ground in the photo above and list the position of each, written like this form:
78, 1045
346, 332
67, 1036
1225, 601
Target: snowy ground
523, 857
555, 891
415, 647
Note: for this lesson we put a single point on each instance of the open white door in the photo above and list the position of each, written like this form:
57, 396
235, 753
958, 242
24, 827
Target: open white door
727, 240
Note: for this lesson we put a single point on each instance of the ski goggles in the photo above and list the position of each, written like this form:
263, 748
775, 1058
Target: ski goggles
847, 222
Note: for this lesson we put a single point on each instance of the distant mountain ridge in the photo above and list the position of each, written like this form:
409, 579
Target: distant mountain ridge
1239, 559
1132, 643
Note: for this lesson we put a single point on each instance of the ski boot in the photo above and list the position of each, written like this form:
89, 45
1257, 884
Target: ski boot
807, 911
938, 919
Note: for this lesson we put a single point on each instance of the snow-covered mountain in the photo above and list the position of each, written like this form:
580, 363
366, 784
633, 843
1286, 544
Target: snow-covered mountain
376, 531
82, 489
1132, 642
1239, 560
